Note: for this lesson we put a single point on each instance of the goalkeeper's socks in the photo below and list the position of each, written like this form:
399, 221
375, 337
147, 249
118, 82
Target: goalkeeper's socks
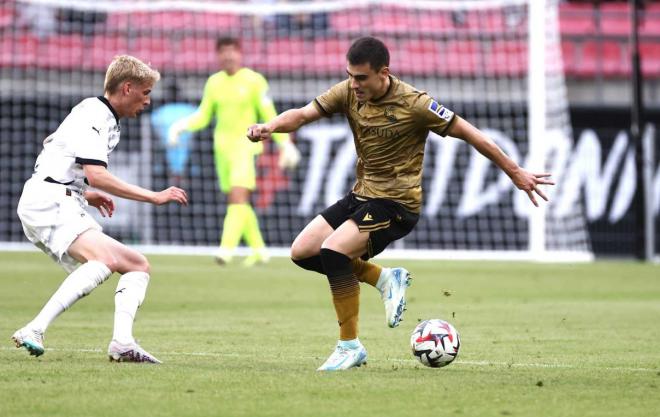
78, 284
366, 271
251, 231
345, 290
235, 220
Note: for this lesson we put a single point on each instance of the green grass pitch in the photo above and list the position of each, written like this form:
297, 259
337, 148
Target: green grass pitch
537, 340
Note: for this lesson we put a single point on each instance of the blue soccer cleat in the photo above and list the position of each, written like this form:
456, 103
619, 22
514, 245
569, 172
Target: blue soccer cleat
32, 340
393, 294
345, 358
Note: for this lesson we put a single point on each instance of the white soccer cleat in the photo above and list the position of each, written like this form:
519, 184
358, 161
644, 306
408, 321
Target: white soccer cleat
345, 358
30, 339
132, 352
393, 294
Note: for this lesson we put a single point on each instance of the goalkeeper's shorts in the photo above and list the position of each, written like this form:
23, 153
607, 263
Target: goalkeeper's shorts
236, 169
384, 220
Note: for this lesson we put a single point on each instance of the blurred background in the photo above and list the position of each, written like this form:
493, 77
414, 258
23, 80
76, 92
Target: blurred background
475, 57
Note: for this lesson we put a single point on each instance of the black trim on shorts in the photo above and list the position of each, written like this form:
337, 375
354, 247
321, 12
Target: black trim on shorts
85, 161
53, 181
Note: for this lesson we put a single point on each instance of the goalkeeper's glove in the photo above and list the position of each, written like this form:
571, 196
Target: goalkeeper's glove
289, 155
175, 131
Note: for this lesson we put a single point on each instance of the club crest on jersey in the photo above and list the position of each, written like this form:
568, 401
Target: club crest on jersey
389, 114
441, 111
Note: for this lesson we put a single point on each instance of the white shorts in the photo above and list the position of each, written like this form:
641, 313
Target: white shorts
53, 218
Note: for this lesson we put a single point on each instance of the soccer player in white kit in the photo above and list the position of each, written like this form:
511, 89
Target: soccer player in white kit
52, 209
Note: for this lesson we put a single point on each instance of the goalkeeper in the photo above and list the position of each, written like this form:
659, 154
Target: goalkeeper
237, 97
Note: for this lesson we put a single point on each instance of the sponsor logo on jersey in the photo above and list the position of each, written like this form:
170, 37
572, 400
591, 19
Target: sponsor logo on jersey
441, 111
367, 218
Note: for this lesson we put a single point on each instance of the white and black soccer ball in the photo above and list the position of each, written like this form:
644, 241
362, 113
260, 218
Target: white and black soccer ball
435, 343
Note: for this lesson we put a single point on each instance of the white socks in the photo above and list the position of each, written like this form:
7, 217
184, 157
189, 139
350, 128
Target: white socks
131, 289
77, 285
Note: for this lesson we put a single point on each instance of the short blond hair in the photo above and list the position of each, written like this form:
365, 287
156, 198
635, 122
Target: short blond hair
128, 68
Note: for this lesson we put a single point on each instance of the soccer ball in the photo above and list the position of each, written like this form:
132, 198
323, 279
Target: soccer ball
435, 343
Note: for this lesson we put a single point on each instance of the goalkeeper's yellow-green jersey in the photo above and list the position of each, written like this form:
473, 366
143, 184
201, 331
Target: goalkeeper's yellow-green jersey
237, 101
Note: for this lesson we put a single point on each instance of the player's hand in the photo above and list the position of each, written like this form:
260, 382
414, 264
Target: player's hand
175, 131
529, 183
101, 201
289, 155
174, 194
258, 133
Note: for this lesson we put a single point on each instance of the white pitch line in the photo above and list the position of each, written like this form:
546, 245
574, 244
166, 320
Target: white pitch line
458, 362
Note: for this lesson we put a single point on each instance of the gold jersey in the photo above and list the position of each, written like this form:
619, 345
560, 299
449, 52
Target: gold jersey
389, 134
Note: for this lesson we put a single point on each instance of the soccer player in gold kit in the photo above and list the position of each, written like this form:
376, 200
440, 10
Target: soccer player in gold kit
390, 121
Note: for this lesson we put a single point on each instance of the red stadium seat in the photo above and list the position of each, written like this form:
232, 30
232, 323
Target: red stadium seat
615, 19
392, 19
419, 57
650, 59
159, 52
6, 51
216, 22
577, 19
61, 51
506, 58
21, 50
460, 58
433, 21
348, 21
103, 50
569, 57
329, 56
284, 55
253, 52
651, 20
196, 54
607, 58
6, 16
485, 21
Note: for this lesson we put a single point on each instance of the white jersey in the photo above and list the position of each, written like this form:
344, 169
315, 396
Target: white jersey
86, 137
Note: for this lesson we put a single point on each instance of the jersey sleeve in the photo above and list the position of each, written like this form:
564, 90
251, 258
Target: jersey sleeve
265, 107
90, 140
202, 117
335, 100
433, 115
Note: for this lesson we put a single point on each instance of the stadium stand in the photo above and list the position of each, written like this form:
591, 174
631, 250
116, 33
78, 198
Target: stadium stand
594, 41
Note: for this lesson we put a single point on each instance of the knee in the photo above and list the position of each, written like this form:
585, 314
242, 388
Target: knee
299, 251
141, 264
112, 262
134, 262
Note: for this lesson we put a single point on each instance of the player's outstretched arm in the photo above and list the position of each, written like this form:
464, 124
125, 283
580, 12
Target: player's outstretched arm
101, 178
289, 121
527, 181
